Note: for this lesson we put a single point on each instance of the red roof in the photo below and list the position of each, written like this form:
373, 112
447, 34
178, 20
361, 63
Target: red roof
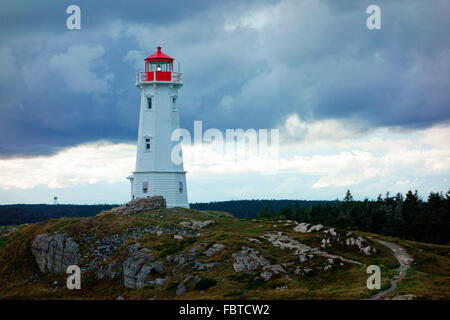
159, 56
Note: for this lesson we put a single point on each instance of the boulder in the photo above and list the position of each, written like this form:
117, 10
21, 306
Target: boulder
302, 227
138, 205
178, 258
181, 289
317, 227
270, 270
205, 266
196, 224
215, 248
331, 232
137, 268
54, 253
367, 250
158, 281
247, 260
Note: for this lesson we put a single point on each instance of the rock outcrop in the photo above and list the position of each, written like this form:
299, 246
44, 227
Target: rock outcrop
304, 227
215, 248
110, 271
54, 253
195, 224
138, 205
138, 267
248, 260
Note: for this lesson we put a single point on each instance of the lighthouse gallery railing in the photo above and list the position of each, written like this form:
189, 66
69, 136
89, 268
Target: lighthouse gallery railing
158, 76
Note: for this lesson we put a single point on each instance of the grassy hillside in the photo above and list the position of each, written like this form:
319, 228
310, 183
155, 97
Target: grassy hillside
21, 278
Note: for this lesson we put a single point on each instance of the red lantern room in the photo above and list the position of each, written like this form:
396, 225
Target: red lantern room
159, 67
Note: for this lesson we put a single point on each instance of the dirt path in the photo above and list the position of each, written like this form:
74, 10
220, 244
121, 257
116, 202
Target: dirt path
405, 261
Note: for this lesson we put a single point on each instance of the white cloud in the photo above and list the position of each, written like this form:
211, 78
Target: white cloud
337, 155
380, 159
77, 166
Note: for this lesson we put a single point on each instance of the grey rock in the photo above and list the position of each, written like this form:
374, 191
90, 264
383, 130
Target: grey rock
141, 276
194, 249
271, 270
181, 290
367, 250
196, 224
54, 253
157, 266
266, 275
158, 281
247, 260
136, 269
317, 227
204, 266
110, 271
302, 227
138, 205
192, 279
178, 258
215, 248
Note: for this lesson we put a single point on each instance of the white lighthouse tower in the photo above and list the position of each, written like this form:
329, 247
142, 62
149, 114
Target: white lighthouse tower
156, 173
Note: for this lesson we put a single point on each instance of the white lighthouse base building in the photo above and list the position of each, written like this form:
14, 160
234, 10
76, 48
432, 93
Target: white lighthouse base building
170, 185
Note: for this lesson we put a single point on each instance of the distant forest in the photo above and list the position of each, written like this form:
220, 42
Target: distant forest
252, 208
407, 217
27, 213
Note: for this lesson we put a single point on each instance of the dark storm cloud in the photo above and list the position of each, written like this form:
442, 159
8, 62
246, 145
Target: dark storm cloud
245, 64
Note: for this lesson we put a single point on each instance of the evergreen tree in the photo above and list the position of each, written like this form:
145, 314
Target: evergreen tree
348, 196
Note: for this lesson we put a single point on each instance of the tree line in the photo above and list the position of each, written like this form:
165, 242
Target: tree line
15, 214
407, 217
251, 208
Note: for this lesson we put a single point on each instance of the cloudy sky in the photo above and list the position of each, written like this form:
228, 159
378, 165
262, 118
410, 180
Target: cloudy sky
367, 110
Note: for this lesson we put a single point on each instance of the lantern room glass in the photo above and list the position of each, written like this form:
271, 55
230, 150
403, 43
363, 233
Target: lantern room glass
162, 66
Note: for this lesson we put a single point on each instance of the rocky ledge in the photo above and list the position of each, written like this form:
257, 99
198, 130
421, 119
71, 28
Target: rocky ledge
139, 205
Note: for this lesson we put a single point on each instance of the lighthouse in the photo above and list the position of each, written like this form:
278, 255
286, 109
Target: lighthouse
156, 173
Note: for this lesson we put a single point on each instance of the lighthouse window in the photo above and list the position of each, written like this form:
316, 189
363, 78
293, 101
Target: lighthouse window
147, 144
145, 187
180, 187
149, 103
173, 100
